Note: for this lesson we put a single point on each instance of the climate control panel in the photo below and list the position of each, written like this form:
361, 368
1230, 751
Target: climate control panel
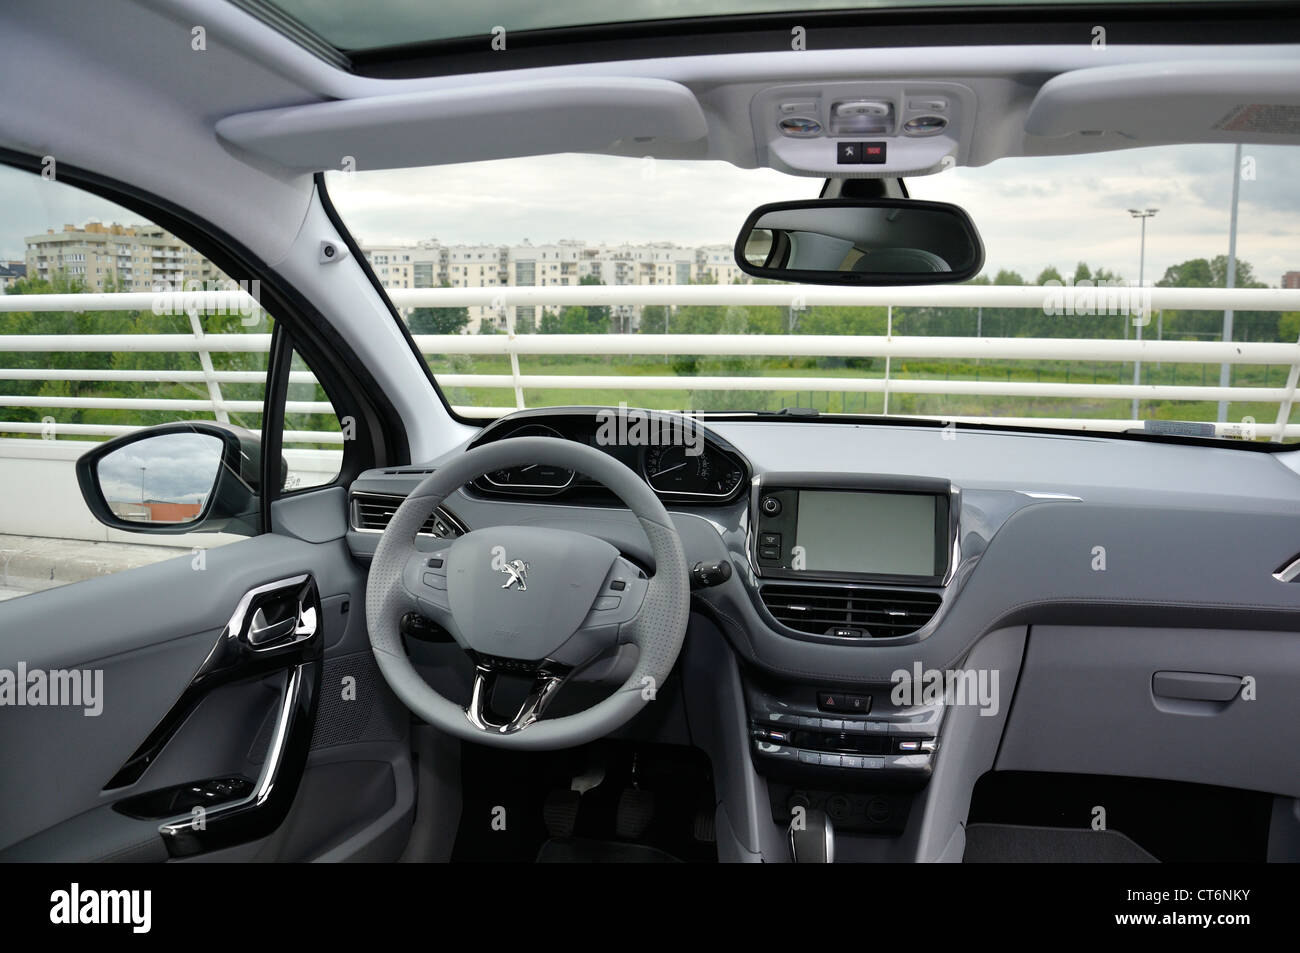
855, 735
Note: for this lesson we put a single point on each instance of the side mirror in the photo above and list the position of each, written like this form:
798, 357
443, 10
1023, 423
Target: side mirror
190, 476
860, 242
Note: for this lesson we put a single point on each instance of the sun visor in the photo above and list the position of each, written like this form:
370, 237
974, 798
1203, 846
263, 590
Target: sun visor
1174, 102
465, 124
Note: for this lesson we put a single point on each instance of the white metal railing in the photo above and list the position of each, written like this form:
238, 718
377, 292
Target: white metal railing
511, 346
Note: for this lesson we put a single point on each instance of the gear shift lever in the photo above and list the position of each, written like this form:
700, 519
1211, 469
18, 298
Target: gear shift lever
815, 842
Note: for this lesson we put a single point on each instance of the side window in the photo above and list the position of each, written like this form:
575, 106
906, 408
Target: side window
313, 433
140, 355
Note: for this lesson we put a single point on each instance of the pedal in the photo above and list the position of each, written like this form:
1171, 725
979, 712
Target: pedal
705, 827
560, 812
636, 809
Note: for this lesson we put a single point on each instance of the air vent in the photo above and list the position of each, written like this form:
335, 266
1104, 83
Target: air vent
850, 610
371, 513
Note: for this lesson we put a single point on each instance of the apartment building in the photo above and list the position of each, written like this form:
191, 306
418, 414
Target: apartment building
129, 257
1291, 280
565, 263
717, 263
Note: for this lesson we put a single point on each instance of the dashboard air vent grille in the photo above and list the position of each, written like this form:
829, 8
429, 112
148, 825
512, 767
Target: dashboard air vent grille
372, 511
850, 610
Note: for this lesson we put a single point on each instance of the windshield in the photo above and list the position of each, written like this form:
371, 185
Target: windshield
1081, 245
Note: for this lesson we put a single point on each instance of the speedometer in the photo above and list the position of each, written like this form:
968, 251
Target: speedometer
677, 470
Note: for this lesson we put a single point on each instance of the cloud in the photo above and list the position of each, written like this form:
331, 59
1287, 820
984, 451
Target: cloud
1031, 212
176, 467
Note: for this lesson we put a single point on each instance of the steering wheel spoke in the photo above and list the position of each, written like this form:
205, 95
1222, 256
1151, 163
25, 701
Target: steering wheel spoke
547, 678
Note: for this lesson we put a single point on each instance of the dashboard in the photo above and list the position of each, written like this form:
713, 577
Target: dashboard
860, 549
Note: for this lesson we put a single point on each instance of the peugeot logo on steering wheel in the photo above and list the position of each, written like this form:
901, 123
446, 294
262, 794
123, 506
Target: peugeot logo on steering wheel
517, 570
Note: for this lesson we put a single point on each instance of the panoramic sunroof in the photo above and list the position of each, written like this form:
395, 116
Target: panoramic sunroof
368, 24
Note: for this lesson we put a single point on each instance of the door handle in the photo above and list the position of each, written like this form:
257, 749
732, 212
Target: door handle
269, 614
261, 631
1196, 686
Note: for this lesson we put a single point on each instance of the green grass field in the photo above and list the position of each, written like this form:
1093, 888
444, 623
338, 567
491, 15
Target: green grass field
849, 402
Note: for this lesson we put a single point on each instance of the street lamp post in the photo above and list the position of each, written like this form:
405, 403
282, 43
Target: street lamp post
1225, 370
1142, 214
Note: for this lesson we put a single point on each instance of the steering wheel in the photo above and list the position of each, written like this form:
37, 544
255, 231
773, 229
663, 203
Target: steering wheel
529, 601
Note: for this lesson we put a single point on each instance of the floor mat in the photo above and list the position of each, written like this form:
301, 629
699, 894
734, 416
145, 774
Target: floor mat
1011, 844
580, 850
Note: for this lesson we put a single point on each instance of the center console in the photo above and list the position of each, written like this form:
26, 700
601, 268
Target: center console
840, 559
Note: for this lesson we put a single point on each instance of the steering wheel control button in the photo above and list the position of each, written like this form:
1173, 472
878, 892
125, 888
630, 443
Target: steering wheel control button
607, 602
434, 581
618, 585
435, 562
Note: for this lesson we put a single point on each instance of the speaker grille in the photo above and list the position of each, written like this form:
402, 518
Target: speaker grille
356, 704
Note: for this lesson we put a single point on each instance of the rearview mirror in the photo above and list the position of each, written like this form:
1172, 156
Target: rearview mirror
192, 476
860, 242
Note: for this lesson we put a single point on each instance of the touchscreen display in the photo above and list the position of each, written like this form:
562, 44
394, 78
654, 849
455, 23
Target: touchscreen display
885, 533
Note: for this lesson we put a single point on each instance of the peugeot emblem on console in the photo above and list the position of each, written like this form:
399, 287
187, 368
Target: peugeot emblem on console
517, 570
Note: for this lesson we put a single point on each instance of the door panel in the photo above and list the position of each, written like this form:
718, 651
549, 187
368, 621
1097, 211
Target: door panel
148, 631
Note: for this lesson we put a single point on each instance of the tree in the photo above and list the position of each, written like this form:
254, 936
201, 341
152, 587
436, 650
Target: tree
597, 314
734, 321
1202, 325
655, 319
438, 320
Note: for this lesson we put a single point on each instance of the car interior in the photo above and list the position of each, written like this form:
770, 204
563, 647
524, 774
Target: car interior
583, 629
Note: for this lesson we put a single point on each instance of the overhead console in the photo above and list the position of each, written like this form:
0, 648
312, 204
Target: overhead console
863, 129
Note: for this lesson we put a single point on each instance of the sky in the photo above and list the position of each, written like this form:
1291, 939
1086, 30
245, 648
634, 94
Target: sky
1031, 212
175, 467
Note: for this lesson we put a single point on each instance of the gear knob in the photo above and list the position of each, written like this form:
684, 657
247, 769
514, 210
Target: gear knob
813, 840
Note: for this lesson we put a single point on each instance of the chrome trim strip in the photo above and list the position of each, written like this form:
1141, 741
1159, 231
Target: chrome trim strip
1290, 572
270, 767
1046, 495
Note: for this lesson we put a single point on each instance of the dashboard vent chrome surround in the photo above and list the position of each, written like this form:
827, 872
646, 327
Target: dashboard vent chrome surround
852, 611
371, 513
